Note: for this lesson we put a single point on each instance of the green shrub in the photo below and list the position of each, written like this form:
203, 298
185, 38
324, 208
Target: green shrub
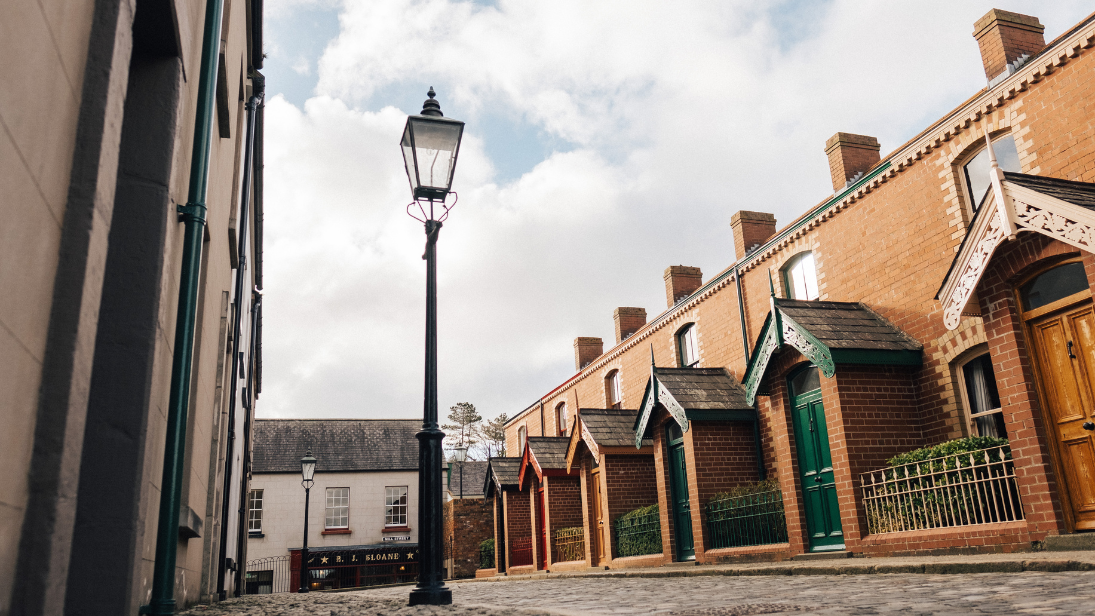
640, 512
639, 532
760, 487
961, 445
486, 554
487, 544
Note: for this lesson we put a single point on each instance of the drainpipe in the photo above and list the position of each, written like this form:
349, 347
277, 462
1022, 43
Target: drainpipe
241, 271
741, 314
193, 217
245, 464
761, 471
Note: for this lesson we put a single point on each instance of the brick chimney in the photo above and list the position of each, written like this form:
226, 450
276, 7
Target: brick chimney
586, 350
751, 229
1004, 37
850, 155
680, 282
628, 321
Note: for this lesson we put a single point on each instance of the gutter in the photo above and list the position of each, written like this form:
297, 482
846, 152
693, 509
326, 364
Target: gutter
193, 217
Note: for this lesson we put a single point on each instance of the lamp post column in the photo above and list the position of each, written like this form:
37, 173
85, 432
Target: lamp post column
431, 589
304, 573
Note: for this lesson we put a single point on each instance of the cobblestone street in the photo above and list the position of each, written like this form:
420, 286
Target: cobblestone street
987, 593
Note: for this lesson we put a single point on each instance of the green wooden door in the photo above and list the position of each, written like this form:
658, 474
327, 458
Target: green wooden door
678, 489
815, 462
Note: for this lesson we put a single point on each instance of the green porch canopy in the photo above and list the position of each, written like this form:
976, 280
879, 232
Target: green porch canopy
705, 394
828, 333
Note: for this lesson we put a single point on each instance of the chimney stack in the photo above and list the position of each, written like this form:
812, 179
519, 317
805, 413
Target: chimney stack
849, 156
628, 321
751, 229
1004, 37
586, 350
680, 282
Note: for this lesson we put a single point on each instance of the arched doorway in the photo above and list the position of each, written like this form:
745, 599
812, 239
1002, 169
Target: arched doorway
1057, 309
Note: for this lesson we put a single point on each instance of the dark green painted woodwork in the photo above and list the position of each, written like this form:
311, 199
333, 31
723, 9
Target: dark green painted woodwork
815, 465
678, 490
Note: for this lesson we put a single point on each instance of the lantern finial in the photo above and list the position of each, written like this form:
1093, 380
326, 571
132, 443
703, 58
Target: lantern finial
431, 107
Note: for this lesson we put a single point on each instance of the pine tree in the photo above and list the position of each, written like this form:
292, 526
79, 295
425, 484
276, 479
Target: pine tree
463, 430
494, 436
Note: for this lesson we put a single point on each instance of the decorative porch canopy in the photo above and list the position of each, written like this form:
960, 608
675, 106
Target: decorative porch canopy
828, 333
706, 394
502, 474
1060, 209
604, 431
545, 456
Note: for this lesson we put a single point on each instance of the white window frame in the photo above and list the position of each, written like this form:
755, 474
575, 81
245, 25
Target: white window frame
337, 508
972, 201
522, 437
254, 514
396, 513
960, 374
561, 418
614, 396
688, 346
798, 263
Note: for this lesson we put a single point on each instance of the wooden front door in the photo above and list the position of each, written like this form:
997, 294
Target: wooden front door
597, 533
815, 463
541, 527
678, 491
1064, 345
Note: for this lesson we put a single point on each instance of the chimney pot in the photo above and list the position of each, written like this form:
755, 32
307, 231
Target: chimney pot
586, 350
680, 282
751, 229
1004, 37
628, 321
849, 156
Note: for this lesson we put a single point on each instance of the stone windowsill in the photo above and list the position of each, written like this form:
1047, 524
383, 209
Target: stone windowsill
336, 531
255, 534
397, 529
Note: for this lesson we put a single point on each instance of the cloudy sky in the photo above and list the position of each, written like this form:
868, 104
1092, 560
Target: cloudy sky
605, 141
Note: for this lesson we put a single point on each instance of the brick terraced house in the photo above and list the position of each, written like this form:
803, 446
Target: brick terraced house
555, 494
499, 486
940, 298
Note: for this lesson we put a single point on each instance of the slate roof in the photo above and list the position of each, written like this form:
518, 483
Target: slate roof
847, 325
611, 427
501, 472
1076, 193
475, 474
550, 451
704, 389
339, 445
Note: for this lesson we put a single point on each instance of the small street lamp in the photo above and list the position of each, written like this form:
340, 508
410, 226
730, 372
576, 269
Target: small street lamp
461, 455
430, 144
307, 471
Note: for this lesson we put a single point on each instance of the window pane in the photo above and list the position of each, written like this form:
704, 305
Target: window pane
338, 508
395, 506
1057, 283
805, 381
687, 343
673, 431
254, 511
802, 278
977, 170
980, 382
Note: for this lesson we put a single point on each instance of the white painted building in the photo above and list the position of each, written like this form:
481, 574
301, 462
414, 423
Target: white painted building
365, 494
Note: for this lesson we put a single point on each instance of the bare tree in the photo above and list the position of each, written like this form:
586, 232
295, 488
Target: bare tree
463, 429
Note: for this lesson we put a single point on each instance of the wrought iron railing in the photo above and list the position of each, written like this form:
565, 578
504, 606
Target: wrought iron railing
748, 519
569, 544
636, 535
962, 489
267, 575
486, 554
520, 552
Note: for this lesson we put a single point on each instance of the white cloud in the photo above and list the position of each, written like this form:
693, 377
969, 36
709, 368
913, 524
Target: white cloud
679, 113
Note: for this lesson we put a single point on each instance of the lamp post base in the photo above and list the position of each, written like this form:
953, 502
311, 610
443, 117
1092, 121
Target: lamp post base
438, 595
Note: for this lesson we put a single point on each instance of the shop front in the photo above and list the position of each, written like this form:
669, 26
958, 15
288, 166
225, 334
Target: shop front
333, 568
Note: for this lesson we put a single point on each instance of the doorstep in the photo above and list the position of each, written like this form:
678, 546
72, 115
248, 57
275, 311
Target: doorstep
834, 555
1069, 543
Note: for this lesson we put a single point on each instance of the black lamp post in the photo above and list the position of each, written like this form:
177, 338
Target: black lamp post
307, 471
461, 456
431, 143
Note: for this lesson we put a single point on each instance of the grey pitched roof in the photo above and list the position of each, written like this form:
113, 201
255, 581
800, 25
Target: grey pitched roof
337, 444
1076, 193
550, 451
474, 474
611, 427
501, 472
847, 325
704, 389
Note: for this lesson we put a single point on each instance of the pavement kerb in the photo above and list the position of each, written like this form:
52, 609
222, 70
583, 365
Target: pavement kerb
1016, 565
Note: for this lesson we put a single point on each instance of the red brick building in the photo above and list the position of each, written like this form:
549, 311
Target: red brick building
555, 499
941, 292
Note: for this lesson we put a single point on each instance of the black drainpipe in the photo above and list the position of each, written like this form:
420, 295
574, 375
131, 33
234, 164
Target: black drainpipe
756, 407
245, 465
243, 225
